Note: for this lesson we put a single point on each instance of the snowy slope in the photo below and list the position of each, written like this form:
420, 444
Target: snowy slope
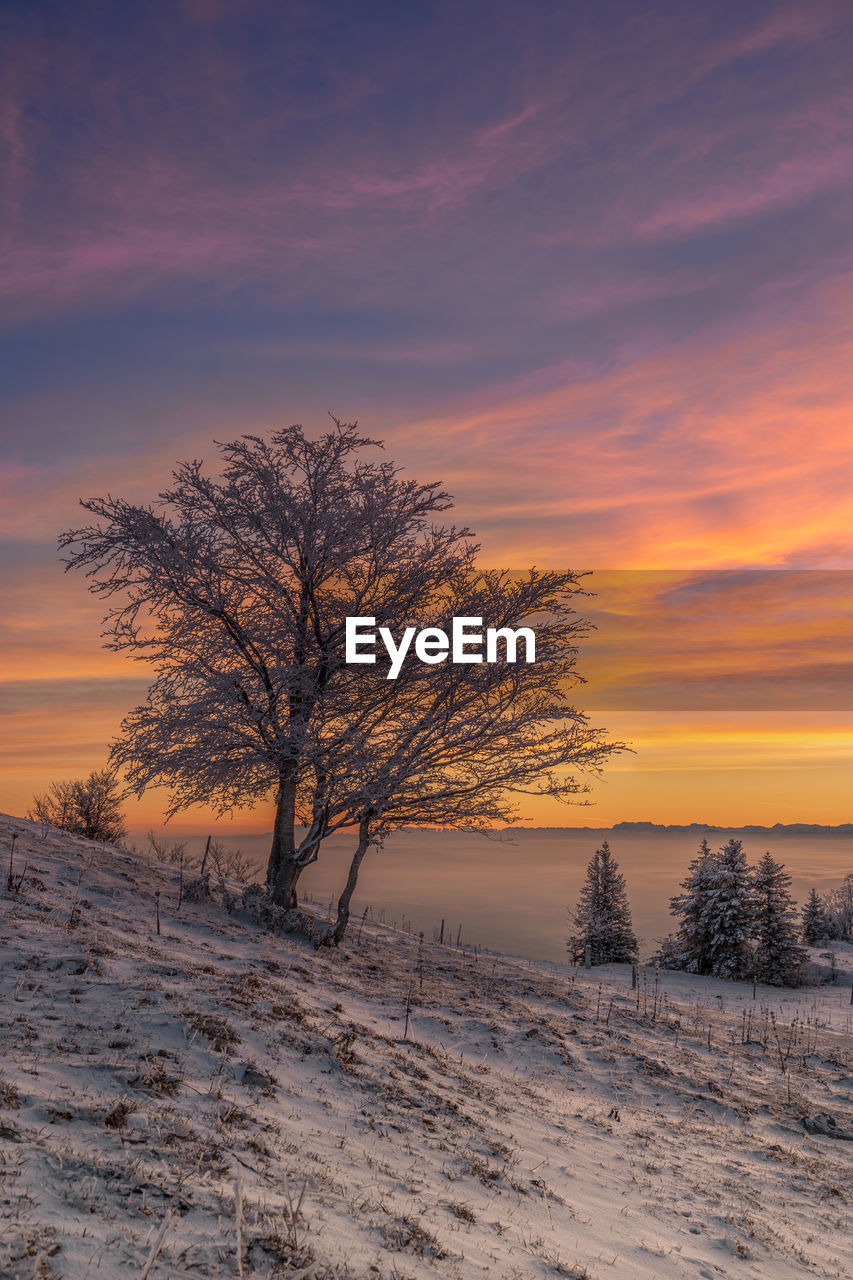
534, 1122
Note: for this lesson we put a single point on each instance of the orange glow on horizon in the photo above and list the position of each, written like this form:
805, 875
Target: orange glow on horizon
722, 453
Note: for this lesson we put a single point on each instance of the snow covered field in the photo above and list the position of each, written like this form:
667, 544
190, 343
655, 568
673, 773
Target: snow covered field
218, 1100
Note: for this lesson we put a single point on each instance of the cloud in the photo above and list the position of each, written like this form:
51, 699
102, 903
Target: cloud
738, 639
791, 181
582, 300
727, 449
163, 222
791, 26
595, 275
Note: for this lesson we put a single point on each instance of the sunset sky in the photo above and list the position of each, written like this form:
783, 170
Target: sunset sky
588, 264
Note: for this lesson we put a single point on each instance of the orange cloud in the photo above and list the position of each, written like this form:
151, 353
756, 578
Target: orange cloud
726, 450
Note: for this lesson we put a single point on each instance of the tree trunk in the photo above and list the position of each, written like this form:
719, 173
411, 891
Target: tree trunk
282, 871
284, 892
336, 932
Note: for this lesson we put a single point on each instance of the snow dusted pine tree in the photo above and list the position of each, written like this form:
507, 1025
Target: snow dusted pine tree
689, 948
729, 913
603, 916
815, 926
778, 954
717, 912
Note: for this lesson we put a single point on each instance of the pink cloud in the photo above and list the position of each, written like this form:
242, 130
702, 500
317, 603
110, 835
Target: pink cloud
158, 220
790, 26
607, 295
434, 184
788, 182
732, 448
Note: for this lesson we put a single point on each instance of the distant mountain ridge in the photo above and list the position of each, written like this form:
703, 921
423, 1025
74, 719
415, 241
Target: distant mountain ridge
778, 828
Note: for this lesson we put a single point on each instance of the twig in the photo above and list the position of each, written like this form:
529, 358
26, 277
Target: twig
408, 1010
74, 903
293, 1212
157, 1246
10, 882
238, 1205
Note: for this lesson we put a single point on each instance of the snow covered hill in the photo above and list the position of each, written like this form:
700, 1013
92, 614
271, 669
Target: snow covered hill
218, 1100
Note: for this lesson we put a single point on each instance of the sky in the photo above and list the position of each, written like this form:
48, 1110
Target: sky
588, 264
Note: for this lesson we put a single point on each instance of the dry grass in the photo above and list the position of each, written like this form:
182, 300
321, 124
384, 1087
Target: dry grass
9, 1094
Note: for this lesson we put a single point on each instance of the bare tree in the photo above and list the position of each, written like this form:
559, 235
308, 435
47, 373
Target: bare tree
236, 589
232, 863
89, 807
458, 745
838, 909
165, 850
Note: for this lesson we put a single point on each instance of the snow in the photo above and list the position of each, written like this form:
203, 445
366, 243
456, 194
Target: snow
535, 1121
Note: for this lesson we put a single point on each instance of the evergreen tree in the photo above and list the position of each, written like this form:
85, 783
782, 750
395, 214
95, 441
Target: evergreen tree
716, 912
603, 915
729, 913
690, 942
669, 954
815, 926
778, 954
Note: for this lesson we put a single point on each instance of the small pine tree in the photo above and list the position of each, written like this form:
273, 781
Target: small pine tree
603, 915
778, 955
815, 926
716, 912
669, 953
690, 941
729, 913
